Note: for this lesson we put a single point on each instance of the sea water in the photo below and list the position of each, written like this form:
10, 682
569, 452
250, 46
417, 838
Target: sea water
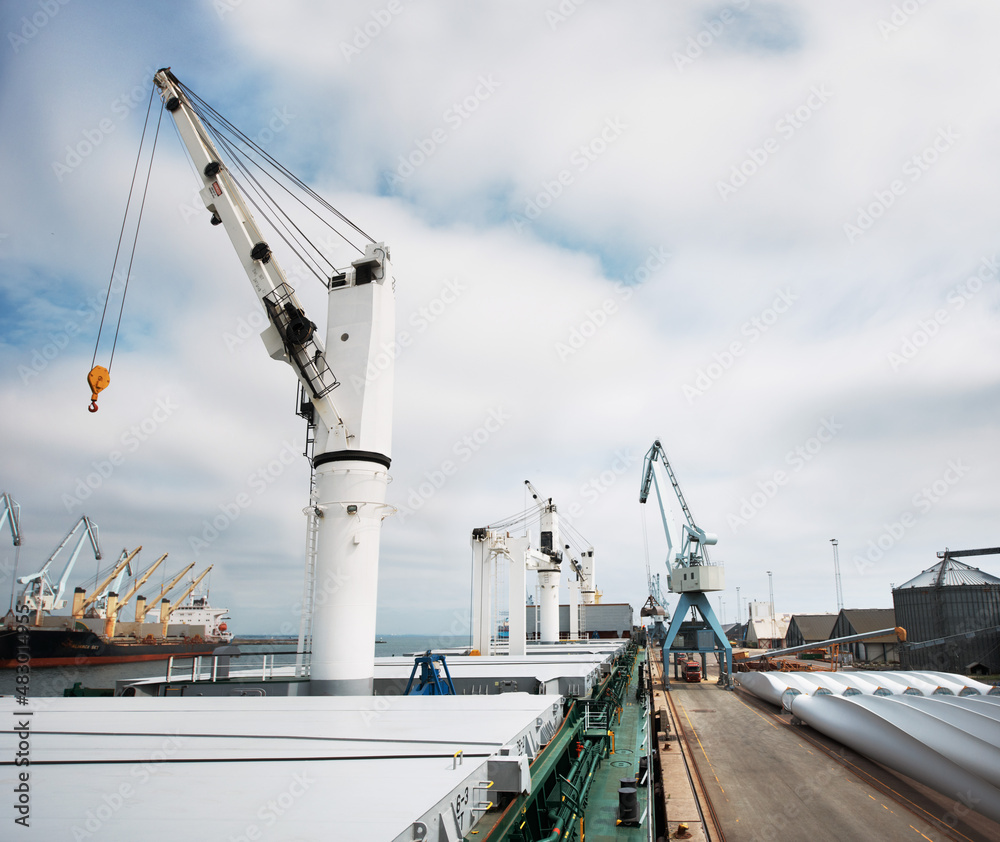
52, 681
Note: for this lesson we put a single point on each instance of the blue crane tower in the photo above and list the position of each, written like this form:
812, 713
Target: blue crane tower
691, 572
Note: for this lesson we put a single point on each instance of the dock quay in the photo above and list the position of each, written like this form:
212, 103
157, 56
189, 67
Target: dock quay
738, 769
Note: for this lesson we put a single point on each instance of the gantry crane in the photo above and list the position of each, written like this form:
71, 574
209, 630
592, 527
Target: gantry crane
691, 572
40, 595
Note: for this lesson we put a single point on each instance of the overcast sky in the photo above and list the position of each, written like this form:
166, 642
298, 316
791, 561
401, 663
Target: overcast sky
766, 233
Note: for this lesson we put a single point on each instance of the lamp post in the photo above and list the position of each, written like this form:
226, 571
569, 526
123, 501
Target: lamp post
770, 591
836, 574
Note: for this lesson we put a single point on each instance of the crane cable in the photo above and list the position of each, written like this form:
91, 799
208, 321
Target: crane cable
99, 376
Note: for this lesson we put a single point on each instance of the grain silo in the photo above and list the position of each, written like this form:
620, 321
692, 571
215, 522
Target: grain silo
951, 613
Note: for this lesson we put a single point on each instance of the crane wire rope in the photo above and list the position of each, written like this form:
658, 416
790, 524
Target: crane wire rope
203, 109
269, 210
99, 377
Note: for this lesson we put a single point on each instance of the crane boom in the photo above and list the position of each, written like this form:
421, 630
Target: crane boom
352, 440
291, 335
140, 582
169, 586
184, 595
11, 512
99, 590
40, 594
692, 542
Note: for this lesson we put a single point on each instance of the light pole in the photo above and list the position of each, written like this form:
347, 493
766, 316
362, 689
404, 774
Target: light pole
770, 591
739, 615
836, 574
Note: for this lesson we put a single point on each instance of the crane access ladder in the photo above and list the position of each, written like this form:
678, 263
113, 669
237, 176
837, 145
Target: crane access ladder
303, 651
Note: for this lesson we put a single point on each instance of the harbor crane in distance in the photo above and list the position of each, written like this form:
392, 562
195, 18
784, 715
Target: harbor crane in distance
166, 609
167, 588
691, 572
79, 607
40, 595
11, 512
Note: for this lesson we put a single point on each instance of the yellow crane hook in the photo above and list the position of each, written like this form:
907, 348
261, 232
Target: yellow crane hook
98, 379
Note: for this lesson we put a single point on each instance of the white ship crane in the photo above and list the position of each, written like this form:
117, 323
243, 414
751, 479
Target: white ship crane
691, 572
493, 549
546, 561
353, 426
40, 595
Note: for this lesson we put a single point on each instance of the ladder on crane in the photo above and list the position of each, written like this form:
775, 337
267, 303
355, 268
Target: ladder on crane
303, 651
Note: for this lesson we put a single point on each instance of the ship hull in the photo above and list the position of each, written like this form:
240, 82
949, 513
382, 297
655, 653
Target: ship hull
63, 647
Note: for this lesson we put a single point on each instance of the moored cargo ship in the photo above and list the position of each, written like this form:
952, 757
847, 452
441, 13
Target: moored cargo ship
194, 629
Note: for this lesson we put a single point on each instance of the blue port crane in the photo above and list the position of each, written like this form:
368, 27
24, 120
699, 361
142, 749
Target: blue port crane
691, 573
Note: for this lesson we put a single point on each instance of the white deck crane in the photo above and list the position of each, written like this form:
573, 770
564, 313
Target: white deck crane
39, 594
352, 440
691, 572
546, 560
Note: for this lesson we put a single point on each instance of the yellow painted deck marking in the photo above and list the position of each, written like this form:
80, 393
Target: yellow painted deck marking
709, 762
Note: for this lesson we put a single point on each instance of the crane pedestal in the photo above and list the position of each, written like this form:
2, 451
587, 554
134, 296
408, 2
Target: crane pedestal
699, 601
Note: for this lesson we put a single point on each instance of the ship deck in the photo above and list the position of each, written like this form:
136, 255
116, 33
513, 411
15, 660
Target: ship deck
252, 768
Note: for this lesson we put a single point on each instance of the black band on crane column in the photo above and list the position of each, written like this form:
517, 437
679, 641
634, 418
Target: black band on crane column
352, 456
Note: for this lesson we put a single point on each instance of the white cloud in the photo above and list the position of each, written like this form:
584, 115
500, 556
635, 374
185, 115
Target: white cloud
524, 332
